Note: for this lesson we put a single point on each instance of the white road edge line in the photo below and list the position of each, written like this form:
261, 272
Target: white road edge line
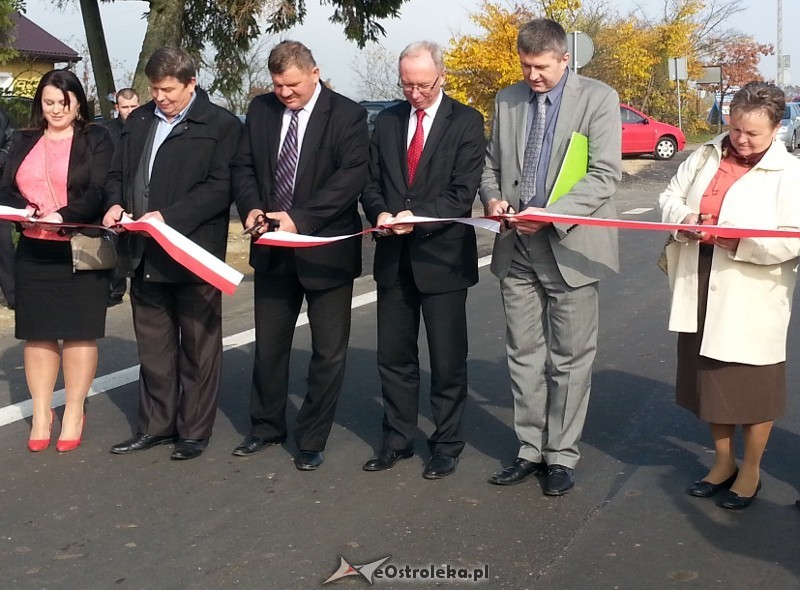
105, 383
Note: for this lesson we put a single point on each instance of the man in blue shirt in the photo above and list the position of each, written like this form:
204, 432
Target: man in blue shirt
173, 166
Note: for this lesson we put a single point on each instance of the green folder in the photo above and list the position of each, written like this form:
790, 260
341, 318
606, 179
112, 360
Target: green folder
573, 168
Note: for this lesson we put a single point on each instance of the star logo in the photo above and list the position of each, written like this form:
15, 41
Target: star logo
366, 571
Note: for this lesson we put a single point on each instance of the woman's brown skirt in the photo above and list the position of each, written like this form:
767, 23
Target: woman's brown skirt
719, 392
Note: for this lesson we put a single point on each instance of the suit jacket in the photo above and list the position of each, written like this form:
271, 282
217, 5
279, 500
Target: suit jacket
89, 161
331, 173
114, 127
189, 185
443, 256
583, 254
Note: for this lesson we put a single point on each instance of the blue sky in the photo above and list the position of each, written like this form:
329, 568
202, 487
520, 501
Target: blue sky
436, 20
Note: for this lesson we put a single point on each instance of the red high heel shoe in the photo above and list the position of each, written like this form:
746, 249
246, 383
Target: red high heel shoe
63, 446
40, 444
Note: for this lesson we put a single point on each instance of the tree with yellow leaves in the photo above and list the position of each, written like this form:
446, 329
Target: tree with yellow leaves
479, 66
631, 53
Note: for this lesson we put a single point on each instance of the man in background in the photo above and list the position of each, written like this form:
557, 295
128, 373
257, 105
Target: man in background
7, 250
126, 100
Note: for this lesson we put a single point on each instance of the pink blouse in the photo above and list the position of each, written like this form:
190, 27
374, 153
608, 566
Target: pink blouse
730, 170
49, 157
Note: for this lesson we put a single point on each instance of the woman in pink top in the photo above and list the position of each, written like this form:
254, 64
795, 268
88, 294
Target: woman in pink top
57, 168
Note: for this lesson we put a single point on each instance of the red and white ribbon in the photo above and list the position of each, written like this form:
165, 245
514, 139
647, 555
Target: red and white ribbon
12, 214
188, 254
722, 231
492, 223
180, 248
290, 240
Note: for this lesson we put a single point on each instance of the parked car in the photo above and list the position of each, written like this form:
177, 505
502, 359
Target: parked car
789, 132
374, 107
642, 134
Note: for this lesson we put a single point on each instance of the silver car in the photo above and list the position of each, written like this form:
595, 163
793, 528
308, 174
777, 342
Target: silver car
789, 132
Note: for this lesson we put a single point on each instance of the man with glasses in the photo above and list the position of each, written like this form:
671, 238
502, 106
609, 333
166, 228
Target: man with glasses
426, 158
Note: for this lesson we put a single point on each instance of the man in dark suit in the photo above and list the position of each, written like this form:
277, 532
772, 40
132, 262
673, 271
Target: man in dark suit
126, 100
549, 273
173, 165
426, 158
301, 166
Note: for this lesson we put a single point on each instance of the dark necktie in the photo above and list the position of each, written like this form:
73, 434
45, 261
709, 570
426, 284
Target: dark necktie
287, 165
533, 150
415, 147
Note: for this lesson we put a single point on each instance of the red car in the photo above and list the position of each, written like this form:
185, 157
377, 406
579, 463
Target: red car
644, 135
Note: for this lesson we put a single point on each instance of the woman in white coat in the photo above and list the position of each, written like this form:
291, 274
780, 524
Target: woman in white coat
731, 298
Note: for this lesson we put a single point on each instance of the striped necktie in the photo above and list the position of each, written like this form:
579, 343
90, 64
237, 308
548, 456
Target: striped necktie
287, 166
533, 151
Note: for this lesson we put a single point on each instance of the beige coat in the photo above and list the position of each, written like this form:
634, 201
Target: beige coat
750, 290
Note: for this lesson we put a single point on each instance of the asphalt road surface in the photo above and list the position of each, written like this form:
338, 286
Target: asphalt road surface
88, 519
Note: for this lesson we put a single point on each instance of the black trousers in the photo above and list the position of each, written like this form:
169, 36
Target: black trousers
399, 308
278, 299
178, 330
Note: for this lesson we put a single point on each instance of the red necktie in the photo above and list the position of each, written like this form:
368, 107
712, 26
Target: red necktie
415, 148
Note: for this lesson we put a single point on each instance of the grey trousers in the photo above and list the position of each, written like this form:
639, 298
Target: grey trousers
551, 341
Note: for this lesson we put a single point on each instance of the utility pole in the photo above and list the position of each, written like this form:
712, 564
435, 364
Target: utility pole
780, 44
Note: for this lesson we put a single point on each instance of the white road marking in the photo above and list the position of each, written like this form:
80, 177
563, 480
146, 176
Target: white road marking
105, 383
637, 211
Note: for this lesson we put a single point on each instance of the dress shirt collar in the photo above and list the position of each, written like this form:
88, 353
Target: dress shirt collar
309, 106
554, 94
429, 112
180, 116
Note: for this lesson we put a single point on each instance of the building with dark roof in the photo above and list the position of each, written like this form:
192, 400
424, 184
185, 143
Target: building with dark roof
38, 52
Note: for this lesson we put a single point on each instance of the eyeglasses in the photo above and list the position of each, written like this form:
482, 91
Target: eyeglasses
423, 88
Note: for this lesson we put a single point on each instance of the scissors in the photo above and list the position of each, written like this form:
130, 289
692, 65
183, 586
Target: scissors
261, 221
510, 211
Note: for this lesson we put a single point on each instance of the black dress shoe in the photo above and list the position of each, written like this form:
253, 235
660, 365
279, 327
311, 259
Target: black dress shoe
141, 442
440, 466
733, 501
114, 300
704, 489
308, 460
188, 448
386, 458
520, 470
253, 444
560, 480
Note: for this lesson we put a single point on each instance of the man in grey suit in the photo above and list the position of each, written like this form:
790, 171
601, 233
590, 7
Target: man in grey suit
549, 272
